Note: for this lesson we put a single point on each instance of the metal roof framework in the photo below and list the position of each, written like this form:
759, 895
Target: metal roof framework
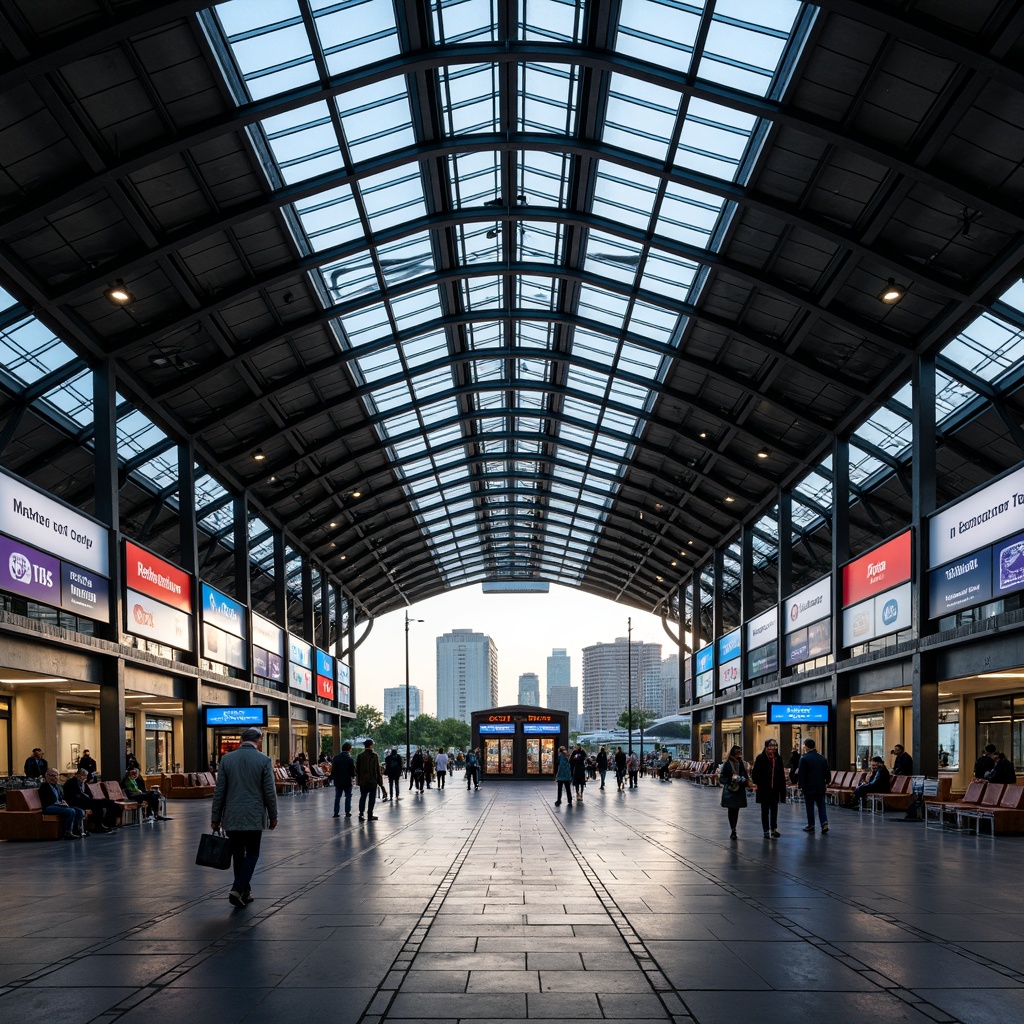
523, 290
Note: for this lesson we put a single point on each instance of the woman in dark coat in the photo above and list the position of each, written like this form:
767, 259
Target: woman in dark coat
735, 780
769, 776
578, 764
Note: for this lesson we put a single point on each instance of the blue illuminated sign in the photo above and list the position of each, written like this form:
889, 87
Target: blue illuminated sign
220, 611
812, 713
502, 729
247, 717
324, 664
729, 647
705, 659
541, 729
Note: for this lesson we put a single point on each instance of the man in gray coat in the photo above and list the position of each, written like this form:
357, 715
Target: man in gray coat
813, 776
245, 802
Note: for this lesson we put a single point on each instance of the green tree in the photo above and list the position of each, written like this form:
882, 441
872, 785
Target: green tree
392, 733
425, 731
642, 717
453, 734
366, 723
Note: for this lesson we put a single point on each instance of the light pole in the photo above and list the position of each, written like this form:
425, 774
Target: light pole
629, 680
407, 621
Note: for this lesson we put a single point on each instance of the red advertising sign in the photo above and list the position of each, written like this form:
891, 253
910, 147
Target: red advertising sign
146, 574
878, 570
325, 687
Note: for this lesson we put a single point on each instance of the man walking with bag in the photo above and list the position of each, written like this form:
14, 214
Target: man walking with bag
245, 802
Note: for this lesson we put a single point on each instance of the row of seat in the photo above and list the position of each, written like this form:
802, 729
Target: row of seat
24, 818
1000, 807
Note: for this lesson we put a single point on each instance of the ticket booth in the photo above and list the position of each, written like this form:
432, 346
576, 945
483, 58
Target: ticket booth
519, 742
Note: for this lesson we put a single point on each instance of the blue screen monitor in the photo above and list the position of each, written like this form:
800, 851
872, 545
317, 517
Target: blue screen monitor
501, 729
811, 714
541, 729
242, 718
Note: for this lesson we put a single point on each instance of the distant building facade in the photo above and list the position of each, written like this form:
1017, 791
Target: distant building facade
394, 701
529, 689
559, 674
608, 670
670, 685
467, 674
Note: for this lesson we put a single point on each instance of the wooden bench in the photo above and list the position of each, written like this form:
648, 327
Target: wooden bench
24, 818
1003, 817
283, 781
940, 808
899, 797
190, 786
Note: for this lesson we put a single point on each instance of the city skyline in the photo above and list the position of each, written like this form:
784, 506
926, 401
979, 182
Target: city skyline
525, 628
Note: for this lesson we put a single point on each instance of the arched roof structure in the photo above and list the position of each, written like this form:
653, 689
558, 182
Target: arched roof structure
530, 290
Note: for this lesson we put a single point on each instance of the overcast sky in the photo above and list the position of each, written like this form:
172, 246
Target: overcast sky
525, 628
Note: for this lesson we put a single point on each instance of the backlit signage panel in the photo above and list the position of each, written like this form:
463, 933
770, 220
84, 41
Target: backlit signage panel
498, 729
29, 573
763, 629
268, 636
42, 522
224, 648
961, 584
881, 615
809, 605
804, 713
1008, 565
341, 674
704, 659
879, 570
729, 674
729, 646
157, 621
223, 613
763, 661
237, 717
324, 675
705, 684
300, 678
299, 652
994, 512
84, 592
540, 729
146, 574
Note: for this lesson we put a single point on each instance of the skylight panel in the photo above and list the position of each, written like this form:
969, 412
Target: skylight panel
474, 177
426, 348
469, 98
668, 275
587, 381
612, 257
417, 308
653, 322
539, 243
137, 434
393, 197
269, 44
662, 32
603, 306
353, 35
330, 218
303, 142
863, 465
463, 21
480, 293
595, 347
73, 397
376, 118
714, 139
162, 472
485, 335
409, 258
543, 177
640, 116
887, 430
950, 395
988, 347
557, 20
364, 326
547, 98
375, 366
536, 292
29, 350
639, 360
624, 198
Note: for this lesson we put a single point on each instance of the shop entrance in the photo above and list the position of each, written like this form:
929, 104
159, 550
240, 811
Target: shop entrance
498, 755
540, 755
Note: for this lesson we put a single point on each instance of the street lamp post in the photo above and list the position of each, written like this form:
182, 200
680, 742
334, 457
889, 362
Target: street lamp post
629, 680
407, 735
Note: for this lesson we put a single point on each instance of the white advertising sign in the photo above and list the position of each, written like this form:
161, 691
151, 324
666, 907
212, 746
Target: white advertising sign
763, 629
267, 636
38, 519
809, 605
155, 621
994, 512
878, 616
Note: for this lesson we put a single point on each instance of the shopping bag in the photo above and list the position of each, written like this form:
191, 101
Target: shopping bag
214, 851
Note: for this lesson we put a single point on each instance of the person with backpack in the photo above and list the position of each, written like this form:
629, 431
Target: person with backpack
473, 769
393, 767
633, 767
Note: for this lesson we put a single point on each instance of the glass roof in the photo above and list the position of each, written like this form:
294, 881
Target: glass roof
517, 476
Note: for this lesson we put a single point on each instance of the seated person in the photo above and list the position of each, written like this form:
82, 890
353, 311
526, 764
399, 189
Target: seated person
1001, 770
51, 796
904, 763
297, 770
104, 812
878, 783
985, 762
135, 790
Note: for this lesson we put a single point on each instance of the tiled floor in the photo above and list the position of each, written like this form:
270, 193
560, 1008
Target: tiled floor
497, 906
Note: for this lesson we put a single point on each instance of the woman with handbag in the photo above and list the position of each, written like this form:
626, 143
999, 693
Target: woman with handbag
735, 780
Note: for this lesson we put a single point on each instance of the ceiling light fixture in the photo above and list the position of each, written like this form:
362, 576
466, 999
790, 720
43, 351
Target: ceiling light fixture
892, 293
119, 295
357, 494
764, 453
259, 455
729, 499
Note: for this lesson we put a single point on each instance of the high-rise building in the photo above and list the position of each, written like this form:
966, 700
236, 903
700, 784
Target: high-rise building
606, 681
566, 698
394, 701
559, 665
670, 685
529, 689
467, 674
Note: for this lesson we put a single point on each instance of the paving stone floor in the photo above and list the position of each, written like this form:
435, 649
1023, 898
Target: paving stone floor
497, 906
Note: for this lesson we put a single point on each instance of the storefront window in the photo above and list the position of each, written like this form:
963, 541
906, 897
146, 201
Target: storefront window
949, 737
159, 746
498, 756
1001, 721
869, 739
540, 756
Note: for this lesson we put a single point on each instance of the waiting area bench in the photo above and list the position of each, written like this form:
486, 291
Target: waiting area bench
999, 807
188, 786
24, 818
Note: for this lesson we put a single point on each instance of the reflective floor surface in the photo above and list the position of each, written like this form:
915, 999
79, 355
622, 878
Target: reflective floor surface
495, 905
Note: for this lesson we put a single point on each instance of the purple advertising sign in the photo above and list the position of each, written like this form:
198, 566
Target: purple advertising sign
84, 593
961, 584
1008, 565
29, 573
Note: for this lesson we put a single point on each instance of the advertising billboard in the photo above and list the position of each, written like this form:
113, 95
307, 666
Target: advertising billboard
879, 570
809, 605
805, 713
146, 574
879, 616
157, 621
217, 717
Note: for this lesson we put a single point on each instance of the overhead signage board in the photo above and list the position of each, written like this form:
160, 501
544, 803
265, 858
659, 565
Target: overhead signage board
1008, 565
763, 629
704, 659
804, 713
300, 678
878, 616
811, 642
879, 570
223, 613
224, 648
84, 592
763, 661
324, 675
730, 646
240, 717
541, 729
498, 729
978, 521
299, 652
268, 636
30, 515
961, 584
146, 574
157, 621
341, 675
809, 605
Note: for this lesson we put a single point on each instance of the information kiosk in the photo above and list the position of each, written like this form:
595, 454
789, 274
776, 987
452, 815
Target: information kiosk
519, 742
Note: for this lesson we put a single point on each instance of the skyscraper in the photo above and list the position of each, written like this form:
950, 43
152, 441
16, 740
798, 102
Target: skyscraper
561, 694
394, 701
559, 664
467, 674
606, 680
670, 685
529, 689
